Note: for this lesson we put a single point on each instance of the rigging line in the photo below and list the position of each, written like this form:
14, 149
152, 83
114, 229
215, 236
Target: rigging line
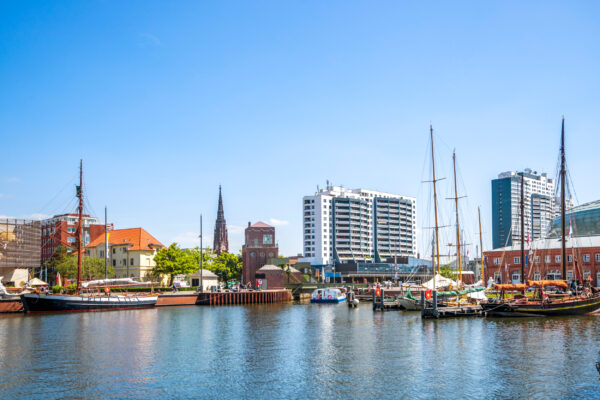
70, 182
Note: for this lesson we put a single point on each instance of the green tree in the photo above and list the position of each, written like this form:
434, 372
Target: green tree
446, 271
227, 267
91, 267
207, 259
173, 261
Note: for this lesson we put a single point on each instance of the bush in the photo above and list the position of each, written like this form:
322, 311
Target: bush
72, 287
57, 289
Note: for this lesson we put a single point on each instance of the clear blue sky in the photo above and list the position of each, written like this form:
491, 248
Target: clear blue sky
164, 101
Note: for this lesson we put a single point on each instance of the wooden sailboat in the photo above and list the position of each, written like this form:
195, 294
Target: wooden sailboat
44, 303
542, 304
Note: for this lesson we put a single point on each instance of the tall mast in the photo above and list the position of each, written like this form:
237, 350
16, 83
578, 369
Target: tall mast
80, 233
563, 174
201, 258
458, 255
437, 240
522, 227
481, 248
105, 243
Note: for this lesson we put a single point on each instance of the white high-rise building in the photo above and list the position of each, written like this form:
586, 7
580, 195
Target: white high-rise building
357, 225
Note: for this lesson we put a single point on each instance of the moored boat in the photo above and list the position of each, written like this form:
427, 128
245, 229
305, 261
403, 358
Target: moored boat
46, 303
328, 295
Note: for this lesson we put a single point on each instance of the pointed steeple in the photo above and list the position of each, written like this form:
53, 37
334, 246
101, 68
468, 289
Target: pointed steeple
221, 243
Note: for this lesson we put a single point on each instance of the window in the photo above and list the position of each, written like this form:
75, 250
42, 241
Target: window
537, 276
586, 258
570, 275
569, 258
70, 229
252, 254
557, 259
267, 238
114, 250
516, 277
255, 242
547, 259
536, 259
123, 249
497, 261
114, 262
262, 254
597, 257
131, 262
101, 253
70, 240
516, 260
270, 255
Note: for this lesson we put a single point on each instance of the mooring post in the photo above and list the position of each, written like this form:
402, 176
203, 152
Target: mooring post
435, 310
422, 303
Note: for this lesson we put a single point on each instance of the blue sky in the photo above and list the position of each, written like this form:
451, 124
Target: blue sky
164, 101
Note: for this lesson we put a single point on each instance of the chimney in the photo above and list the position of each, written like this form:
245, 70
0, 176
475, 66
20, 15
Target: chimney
248, 224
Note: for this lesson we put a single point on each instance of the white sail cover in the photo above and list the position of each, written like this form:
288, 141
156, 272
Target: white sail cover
440, 282
109, 282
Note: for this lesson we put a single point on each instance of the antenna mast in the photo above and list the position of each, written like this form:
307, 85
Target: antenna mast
481, 248
458, 255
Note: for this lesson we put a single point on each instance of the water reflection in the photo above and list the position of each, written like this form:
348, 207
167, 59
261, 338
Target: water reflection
295, 351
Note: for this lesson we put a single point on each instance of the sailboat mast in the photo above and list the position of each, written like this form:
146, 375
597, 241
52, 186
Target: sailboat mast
458, 255
201, 259
437, 240
80, 233
481, 248
522, 227
563, 174
105, 243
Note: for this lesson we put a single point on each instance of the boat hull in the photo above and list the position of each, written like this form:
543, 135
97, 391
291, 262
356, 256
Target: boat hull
338, 300
40, 303
409, 304
531, 309
11, 305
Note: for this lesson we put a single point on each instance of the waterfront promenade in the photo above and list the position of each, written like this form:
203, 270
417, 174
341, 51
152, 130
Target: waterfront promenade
294, 351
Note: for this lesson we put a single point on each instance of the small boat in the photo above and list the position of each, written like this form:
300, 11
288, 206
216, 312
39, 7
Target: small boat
9, 303
408, 302
328, 295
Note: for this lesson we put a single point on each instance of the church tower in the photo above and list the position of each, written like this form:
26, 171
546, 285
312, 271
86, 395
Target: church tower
221, 243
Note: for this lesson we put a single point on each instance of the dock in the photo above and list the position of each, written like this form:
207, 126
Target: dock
243, 297
434, 310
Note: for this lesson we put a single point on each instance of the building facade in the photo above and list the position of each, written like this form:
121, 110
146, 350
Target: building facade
357, 225
220, 240
62, 230
259, 246
130, 252
504, 265
540, 206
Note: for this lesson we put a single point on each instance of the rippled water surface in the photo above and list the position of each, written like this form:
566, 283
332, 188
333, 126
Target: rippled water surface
294, 351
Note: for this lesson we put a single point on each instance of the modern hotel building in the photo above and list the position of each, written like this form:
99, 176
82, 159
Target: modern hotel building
357, 225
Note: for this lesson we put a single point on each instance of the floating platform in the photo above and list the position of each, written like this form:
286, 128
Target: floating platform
244, 297
177, 299
11, 306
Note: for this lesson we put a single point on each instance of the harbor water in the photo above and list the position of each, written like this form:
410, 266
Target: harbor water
294, 351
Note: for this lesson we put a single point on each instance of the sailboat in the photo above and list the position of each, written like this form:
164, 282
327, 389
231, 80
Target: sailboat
47, 303
542, 304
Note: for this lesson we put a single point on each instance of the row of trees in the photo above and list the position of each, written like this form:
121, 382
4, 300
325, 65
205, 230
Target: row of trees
91, 268
170, 261
174, 260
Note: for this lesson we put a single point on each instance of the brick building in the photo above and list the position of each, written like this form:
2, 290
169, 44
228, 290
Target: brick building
62, 230
258, 248
504, 265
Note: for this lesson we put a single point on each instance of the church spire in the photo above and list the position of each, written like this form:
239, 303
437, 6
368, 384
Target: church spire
221, 243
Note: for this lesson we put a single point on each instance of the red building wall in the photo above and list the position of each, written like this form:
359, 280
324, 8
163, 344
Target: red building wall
503, 263
257, 250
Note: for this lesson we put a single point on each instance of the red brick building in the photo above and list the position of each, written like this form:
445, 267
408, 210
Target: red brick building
504, 264
259, 247
62, 230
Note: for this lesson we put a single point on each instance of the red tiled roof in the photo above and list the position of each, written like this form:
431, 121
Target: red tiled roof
260, 225
138, 238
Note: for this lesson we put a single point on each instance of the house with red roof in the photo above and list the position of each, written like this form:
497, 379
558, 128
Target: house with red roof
130, 252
